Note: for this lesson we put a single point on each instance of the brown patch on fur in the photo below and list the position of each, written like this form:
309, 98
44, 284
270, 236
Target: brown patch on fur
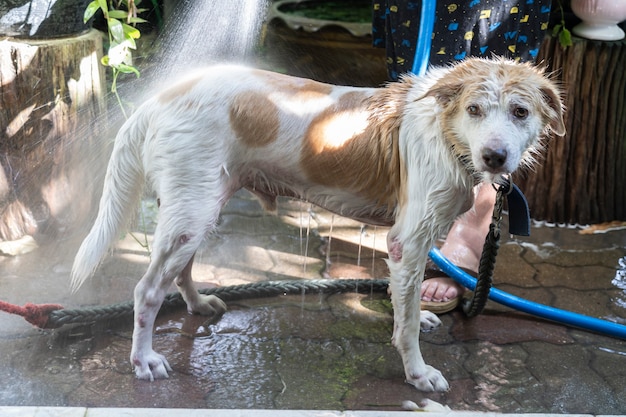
296, 87
178, 90
447, 91
312, 91
367, 161
254, 119
310, 88
555, 114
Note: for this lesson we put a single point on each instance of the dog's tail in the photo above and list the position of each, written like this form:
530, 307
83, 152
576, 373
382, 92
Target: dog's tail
121, 193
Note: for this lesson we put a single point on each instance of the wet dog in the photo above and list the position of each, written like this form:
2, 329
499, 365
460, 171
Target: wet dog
407, 155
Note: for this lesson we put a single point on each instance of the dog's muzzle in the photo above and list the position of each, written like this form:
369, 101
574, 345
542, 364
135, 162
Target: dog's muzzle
494, 158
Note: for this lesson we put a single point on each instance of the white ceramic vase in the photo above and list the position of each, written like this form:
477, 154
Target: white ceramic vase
599, 19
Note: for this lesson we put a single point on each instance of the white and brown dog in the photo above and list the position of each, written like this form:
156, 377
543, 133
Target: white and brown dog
406, 155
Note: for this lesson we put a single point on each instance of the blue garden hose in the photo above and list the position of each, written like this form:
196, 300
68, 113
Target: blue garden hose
424, 37
550, 313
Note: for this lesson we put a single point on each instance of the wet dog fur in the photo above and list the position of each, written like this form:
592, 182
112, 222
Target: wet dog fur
406, 155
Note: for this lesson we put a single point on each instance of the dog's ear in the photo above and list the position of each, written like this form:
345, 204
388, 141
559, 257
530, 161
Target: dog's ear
444, 92
552, 99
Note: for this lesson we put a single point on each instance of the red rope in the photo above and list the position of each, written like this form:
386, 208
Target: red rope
36, 314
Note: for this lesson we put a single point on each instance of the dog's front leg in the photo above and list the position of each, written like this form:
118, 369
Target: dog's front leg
406, 265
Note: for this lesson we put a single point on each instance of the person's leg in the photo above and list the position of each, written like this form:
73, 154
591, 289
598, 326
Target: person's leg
462, 246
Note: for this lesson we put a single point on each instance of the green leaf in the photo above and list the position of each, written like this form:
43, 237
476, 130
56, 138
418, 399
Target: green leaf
137, 20
131, 32
104, 7
91, 10
565, 38
105, 60
118, 14
556, 30
116, 29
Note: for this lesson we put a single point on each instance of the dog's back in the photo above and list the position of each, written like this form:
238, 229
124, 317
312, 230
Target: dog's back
243, 128
334, 146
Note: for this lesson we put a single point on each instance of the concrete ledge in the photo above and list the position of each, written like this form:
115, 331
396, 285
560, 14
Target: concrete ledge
181, 412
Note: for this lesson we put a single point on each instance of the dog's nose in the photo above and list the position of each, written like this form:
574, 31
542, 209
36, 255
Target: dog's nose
494, 158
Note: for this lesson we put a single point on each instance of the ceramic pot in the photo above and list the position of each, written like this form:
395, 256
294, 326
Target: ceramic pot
333, 51
599, 19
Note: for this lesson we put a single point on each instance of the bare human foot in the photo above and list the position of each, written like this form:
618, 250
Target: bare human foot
463, 247
441, 289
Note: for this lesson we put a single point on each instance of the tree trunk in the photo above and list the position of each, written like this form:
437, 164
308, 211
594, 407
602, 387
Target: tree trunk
51, 94
583, 178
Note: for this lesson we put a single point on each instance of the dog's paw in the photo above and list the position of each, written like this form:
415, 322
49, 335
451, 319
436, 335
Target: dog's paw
429, 380
151, 366
428, 321
207, 305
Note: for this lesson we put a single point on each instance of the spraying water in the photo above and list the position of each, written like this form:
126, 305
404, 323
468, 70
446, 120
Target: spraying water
197, 33
204, 32
374, 252
330, 239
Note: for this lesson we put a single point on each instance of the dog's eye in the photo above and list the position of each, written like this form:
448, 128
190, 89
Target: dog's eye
473, 110
520, 112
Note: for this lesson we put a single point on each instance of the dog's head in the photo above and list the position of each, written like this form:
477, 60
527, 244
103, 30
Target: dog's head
494, 113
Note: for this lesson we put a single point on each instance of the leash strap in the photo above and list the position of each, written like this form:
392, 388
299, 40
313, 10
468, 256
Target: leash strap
519, 224
519, 214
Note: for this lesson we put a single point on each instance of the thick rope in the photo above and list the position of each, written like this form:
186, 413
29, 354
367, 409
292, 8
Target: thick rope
62, 317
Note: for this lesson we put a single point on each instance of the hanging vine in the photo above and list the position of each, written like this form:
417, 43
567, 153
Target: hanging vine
121, 18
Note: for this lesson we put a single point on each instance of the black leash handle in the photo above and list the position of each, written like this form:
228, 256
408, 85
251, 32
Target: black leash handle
475, 305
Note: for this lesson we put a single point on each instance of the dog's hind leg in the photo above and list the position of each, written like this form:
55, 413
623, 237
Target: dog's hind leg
180, 231
149, 294
207, 305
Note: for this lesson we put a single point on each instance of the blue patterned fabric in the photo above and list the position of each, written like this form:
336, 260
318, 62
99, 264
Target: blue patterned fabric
509, 28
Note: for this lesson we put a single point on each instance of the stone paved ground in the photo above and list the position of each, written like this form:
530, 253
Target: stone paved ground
317, 351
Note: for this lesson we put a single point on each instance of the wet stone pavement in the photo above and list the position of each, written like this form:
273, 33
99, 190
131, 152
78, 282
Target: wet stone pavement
320, 351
